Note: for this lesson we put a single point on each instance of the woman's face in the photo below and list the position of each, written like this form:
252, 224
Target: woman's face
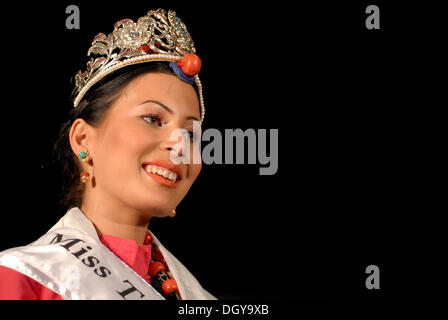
130, 149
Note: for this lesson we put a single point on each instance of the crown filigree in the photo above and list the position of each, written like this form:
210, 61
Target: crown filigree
157, 36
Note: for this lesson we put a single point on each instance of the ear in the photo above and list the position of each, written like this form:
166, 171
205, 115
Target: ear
79, 136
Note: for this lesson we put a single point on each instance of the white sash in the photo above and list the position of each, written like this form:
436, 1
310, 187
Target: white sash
71, 261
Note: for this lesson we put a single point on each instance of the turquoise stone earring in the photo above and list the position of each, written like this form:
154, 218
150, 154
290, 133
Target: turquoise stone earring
84, 155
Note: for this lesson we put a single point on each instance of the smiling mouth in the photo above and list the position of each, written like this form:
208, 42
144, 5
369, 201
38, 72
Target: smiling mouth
162, 175
161, 171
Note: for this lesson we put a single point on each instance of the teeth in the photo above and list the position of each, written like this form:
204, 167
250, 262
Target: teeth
162, 172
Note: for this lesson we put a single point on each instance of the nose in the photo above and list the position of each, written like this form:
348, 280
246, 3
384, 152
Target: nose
173, 150
175, 142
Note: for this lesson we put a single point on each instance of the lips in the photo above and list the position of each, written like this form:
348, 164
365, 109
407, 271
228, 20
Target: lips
164, 172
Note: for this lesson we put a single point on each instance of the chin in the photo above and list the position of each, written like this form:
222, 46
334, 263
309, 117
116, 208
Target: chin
155, 207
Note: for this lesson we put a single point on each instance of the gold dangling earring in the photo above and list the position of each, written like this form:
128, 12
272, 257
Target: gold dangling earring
84, 155
173, 213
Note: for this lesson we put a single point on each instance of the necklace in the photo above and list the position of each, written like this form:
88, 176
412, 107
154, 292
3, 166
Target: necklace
161, 278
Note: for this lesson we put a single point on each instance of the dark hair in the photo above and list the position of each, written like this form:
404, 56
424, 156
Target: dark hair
92, 108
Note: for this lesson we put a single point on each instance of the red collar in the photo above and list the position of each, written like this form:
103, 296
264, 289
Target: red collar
135, 256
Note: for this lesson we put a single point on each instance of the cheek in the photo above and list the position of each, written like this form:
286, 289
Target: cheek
194, 170
122, 148
129, 140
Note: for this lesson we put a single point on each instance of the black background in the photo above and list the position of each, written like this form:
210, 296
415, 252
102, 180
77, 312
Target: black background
344, 99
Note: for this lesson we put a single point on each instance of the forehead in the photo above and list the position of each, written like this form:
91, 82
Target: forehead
180, 96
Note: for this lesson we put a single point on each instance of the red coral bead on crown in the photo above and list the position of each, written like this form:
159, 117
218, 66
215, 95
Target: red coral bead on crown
190, 64
146, 49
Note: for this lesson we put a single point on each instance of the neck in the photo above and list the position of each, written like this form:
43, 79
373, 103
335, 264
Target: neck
115, 219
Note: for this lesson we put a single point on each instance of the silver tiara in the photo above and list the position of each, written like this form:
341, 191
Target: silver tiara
157, 36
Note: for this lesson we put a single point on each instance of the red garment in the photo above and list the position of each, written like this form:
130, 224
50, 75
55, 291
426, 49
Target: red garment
16, 286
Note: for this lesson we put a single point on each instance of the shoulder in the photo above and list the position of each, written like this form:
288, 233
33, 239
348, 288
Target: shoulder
17, 286
18, 268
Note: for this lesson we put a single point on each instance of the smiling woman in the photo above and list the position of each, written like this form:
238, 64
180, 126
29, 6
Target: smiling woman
124, 97
115, 150
132, 133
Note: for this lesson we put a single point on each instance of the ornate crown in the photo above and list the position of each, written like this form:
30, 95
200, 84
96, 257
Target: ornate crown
157, 36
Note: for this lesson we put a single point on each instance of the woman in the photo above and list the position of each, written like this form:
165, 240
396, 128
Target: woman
140, 86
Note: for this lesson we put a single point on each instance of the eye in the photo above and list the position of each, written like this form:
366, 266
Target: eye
153, 119
193, 136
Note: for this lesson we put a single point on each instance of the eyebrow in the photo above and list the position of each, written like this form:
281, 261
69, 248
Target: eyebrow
167, 108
